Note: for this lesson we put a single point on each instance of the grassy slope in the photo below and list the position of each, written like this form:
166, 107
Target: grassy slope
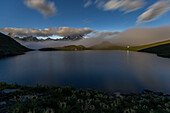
160, 50
138, 48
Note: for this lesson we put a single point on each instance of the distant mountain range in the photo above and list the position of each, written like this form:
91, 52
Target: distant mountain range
10, 47
35, 39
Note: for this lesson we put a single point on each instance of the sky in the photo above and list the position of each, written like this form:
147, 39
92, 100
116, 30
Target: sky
112, 15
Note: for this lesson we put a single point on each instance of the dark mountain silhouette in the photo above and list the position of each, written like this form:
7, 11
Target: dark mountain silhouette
10, 47
29, 39
79, 37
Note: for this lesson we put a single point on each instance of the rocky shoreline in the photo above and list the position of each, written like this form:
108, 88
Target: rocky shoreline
10, 53
44, 99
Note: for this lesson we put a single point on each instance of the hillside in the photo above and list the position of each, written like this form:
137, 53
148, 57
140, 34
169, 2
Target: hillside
160, 50
138, 48
10, 47
65, 48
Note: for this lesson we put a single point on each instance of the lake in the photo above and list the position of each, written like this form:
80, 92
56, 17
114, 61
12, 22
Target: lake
111, 71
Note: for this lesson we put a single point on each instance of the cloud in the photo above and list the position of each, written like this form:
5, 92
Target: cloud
88, 3
103, 35
142, 36
45, 7
154, 11
123, 5
100, 3
61, 31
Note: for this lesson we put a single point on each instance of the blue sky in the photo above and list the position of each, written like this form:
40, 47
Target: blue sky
73, 13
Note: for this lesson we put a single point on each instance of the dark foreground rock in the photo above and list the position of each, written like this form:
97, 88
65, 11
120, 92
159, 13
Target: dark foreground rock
44, 99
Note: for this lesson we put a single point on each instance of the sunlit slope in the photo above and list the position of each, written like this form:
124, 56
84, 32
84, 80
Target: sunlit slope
138, 48
110, 46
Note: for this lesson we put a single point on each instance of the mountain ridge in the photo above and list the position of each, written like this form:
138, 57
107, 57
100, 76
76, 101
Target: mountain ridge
10, 47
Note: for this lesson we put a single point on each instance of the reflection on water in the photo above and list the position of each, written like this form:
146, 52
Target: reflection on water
112, 71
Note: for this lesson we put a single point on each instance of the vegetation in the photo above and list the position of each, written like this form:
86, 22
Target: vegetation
45, 99
65, 48
161, 50
139, 48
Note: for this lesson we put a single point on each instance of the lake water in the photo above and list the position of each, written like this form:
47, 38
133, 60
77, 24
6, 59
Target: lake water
111, 71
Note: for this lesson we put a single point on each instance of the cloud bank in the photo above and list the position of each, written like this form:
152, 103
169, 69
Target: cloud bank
61, 31
45, 7
154, 11
142, 36
130, 37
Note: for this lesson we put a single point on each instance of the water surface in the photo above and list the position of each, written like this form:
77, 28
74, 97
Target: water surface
111, 71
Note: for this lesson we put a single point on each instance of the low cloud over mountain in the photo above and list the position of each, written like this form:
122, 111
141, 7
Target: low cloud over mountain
61, 31
142, 36
129, 37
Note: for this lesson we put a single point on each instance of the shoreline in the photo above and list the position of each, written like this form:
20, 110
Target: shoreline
66, 99
9, 53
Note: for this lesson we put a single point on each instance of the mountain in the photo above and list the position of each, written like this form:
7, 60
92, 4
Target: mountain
28, 39
79, 37
10, 47
34, 39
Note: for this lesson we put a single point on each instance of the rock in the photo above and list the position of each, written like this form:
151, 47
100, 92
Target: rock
3, 103
10, 90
